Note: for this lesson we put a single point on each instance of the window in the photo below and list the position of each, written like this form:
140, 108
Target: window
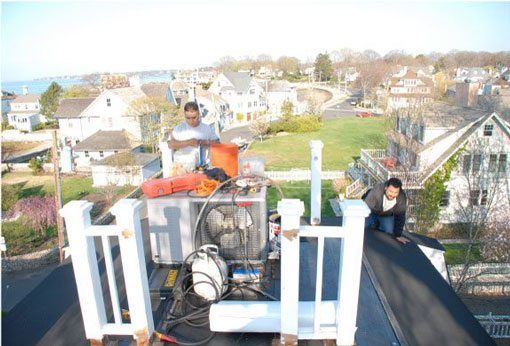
397, 127
466, 164
254, 103
477, 162
474, 196
87, 154
483, 201
249, 104
252, 91
115, 151
108, 102
421, 133
492, 162
502, 163
445, 199
487, 130
101, 154
239, 93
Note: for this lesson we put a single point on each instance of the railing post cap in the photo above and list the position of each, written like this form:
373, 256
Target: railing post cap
316, 144
354, 207
126, 203
288, 206
75, 206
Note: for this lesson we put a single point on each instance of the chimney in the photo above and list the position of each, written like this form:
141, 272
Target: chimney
191, 92
25, 89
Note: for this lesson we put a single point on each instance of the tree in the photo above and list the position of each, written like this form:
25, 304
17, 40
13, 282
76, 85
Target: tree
259, 127
93, 79
226, 63
49, 100
288, 64
371, 74
152, 112
78, 91
287, 109
36, 212
323, 67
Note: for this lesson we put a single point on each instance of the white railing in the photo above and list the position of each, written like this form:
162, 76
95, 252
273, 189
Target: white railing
128, 230
371, 158
294, 319
356, 187
497, 326
302, 174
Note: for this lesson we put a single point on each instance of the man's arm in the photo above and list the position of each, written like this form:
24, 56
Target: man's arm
176, 144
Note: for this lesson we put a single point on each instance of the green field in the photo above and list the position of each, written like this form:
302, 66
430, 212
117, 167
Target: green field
456, 253
343, 138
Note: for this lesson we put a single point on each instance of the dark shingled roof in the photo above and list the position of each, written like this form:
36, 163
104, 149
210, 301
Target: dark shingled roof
155, 89
73, 107
107, 140
127, 159
240, 80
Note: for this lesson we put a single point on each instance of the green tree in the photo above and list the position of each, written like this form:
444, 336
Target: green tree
49, 100
323, 67
78, 91
287, 109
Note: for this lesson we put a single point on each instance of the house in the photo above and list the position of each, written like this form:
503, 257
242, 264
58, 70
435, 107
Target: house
409, 89
102, 144
265, 72
197, 76
471, 74
25, 112
466, 94
350, 74
110, 111
424, 139
277, 92
125, 168
7, 98
244, 95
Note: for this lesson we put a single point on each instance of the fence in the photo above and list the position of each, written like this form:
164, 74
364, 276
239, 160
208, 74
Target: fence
90, 294
498, 326
302, 174
484, 278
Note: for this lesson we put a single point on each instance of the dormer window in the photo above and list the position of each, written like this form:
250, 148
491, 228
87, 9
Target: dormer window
108, 102
487, 130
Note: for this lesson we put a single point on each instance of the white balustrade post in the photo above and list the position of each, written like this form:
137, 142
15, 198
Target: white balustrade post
316, 172
166, 158
127, 214
86, 272
354, 213
291, 211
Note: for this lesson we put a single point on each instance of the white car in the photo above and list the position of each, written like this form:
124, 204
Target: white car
352, 103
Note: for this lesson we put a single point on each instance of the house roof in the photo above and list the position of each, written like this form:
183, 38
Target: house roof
240, 80
442, 114
24, 112
412, 75
72, 107
107, 140
29, 98
155, 89
128, 94
127, 159
6, 95
179, 85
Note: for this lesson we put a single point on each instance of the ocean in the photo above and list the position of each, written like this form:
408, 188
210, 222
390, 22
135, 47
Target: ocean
39, 86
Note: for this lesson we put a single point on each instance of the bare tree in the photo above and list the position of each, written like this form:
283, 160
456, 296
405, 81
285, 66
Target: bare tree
259, 127
371, 74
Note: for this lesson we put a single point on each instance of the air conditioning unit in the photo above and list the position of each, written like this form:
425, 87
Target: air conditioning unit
238, 227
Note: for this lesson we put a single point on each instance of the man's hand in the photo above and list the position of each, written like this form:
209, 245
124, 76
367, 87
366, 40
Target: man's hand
403, 240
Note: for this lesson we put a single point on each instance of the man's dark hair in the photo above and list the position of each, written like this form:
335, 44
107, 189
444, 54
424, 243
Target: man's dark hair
191, 106
395, 182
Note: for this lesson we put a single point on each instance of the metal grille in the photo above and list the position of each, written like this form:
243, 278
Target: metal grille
235, 229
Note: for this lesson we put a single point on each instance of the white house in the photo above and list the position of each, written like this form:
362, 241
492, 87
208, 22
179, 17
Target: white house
110, 111
471, 74
125, 168
423, 141
103, 144
278, 92
409, 89
7, 98
25, 113
244, 95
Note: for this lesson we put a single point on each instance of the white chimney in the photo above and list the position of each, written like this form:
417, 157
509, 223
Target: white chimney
25, 89
316, 168
191, 92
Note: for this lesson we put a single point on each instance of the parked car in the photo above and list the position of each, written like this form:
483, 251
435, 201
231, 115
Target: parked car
364, 115
353, 102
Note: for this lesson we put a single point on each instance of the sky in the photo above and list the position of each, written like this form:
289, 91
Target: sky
43, 39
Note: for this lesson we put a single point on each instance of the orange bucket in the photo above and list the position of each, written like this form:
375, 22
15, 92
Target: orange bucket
225, 156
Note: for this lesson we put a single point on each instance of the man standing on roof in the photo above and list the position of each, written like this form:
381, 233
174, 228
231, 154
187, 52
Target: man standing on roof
191, 132
387, 202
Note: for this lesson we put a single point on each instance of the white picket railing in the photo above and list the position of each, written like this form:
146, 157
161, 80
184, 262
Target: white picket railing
302, 174
497, 326
354, 189
128, 230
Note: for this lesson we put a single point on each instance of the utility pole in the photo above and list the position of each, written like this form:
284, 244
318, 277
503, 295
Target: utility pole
58, 196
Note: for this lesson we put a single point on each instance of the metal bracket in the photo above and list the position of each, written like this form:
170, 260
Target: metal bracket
127, 233
290, 234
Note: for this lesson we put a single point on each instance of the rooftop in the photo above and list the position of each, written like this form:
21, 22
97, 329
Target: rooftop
72, 107
107, 141
29, 98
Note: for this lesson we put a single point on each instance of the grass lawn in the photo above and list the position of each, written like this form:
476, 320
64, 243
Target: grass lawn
301, 190
343, 138
455, 253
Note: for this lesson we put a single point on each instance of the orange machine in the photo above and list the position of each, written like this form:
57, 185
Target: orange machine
224, 155
167, 186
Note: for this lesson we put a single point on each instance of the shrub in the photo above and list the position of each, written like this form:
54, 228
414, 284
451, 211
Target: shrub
240, 116
36, 212
297, 124
36, 165
10, 195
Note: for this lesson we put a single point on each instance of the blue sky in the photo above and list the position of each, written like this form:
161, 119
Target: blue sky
47, 39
